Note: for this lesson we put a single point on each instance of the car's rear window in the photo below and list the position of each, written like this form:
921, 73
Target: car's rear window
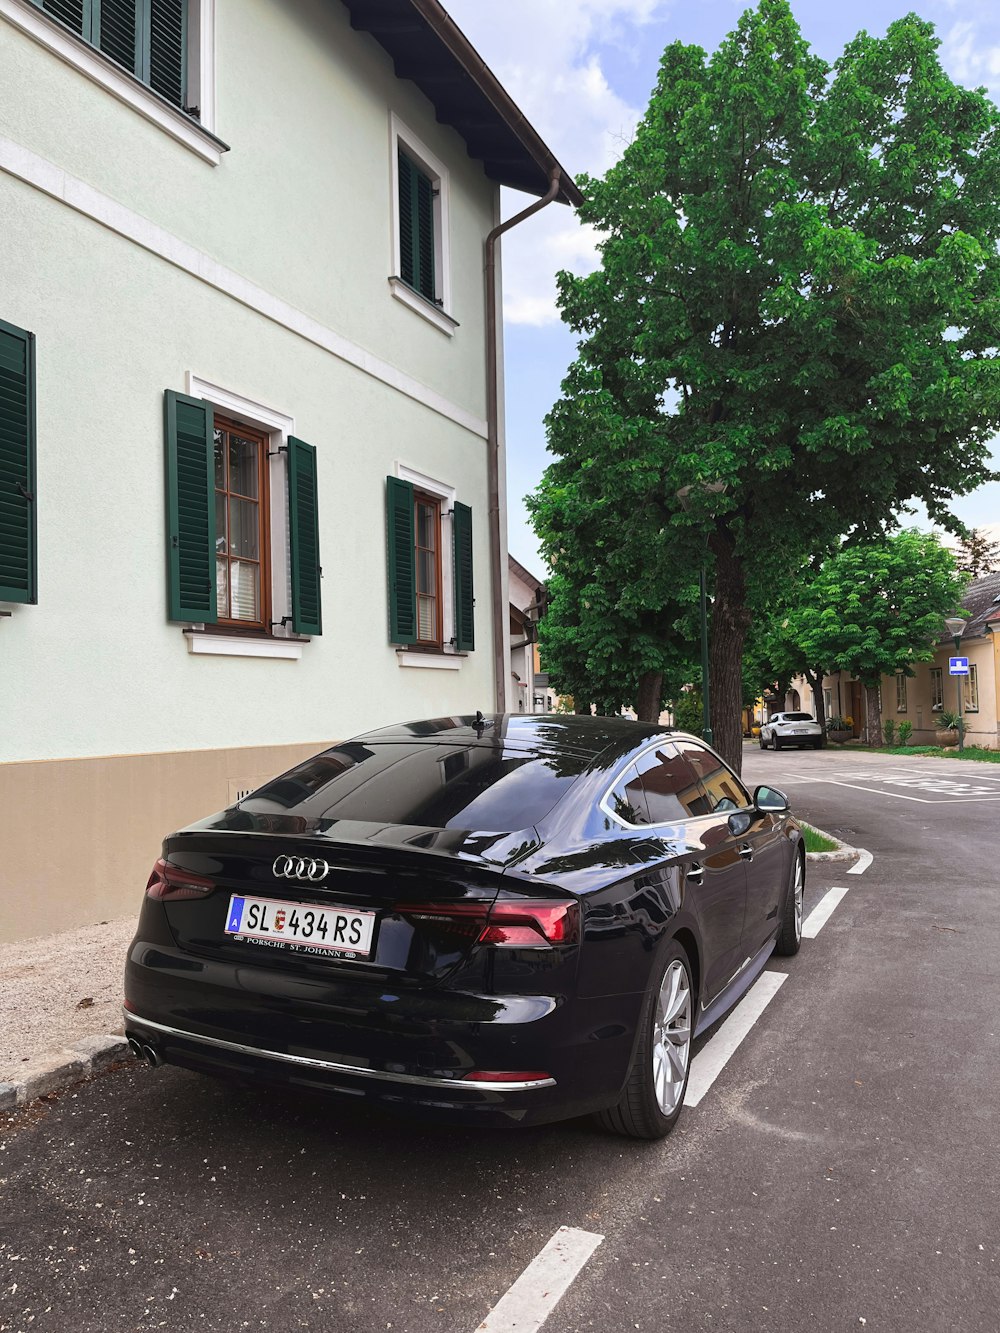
797, 717
485, 788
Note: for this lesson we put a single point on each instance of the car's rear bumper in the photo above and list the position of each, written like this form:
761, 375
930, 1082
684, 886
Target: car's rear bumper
371, 1043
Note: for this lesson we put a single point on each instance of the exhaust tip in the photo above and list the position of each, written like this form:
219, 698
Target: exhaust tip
136, 1048
151, 1055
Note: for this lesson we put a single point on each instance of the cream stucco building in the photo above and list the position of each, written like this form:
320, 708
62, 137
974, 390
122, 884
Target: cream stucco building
251, 446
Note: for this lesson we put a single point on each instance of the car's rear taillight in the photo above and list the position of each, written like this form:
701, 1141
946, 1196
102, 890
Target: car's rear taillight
168, 882
515, 923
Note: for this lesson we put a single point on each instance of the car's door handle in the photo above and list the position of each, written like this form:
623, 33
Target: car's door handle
745, 850
694, 873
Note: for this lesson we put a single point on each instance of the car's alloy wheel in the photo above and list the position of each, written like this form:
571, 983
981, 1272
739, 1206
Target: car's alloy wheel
653, 1096
790, 936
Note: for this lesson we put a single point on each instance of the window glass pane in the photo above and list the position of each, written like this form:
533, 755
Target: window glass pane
220, 522
222, 587
426, 572
244, 534
671, 787
244, 579
972, 689
497, 790
243, 466
722, 787
426, 515
426, 619
628, 800
220, 459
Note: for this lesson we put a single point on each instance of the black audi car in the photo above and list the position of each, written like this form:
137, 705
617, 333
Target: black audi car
504, 919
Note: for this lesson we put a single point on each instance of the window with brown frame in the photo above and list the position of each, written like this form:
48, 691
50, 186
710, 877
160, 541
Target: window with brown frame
242, 530
427, 543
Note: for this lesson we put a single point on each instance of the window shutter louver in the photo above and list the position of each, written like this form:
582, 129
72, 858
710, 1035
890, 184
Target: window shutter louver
465, 621
167, 49
190, 484
402, 561
73, 13
303, 538
425, 232
118, 32
407, 232
18, 522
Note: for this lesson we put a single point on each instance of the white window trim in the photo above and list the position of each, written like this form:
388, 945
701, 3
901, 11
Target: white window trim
277, 426
449, 658
402, 137
226, 645
971, 690
198, 136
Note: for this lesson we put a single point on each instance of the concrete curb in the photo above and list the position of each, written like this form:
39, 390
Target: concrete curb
844, 851
52, 1073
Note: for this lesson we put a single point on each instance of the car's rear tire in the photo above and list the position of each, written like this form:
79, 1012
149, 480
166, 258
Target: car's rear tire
760, 739
653, 1096
790, 935
775, 743
818, 743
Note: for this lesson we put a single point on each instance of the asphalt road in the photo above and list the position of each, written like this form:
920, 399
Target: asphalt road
840, 1173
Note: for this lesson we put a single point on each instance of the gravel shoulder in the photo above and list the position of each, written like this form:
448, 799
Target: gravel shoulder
57, 989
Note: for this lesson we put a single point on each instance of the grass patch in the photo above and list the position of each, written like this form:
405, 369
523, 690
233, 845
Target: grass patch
976, 753
816, 841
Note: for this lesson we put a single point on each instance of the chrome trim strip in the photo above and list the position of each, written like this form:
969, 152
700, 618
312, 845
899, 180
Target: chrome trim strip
332, 1066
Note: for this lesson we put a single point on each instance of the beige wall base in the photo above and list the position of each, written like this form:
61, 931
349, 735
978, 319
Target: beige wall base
78, 837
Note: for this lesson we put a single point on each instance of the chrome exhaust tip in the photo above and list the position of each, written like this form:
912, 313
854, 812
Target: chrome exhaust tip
136, 1048
151, 1055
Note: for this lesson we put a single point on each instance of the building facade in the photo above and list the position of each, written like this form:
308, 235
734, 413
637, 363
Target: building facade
245, 411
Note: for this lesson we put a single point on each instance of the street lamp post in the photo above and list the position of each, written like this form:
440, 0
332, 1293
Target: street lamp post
956, 628
710, 489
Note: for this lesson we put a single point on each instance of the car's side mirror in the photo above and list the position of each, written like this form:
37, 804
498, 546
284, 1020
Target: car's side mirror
770, 801
740, 822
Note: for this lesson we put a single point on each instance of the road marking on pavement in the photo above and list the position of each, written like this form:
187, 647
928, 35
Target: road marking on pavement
717, 1051
526, 1305
945, 791
821, 913
864, 861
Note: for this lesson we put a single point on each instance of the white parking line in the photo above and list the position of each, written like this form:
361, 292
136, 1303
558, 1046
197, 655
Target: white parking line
715, 1054
864, 861
821, 913
525, 1306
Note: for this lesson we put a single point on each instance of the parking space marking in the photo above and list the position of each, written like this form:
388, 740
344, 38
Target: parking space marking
944, 790
718, 1050
524, 1307
864, 861
821, 913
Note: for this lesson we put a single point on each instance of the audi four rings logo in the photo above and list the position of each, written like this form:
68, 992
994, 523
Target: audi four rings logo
300, 867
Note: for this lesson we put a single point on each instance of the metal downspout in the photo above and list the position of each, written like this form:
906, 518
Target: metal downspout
499, 611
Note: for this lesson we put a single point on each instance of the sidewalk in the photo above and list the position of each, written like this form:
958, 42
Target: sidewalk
58, 993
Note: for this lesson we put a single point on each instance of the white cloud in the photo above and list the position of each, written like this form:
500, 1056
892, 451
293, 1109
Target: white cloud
548, 55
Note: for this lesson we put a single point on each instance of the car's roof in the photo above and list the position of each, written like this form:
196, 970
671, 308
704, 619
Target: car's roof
534, 732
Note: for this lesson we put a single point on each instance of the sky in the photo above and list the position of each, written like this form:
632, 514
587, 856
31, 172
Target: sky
582, 72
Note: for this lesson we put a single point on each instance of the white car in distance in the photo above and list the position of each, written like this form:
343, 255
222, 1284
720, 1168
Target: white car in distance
783, 729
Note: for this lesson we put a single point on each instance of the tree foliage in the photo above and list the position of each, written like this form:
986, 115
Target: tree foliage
799, 294
874, 609
978, 554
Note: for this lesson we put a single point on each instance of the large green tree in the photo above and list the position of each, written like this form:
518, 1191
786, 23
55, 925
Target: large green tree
875, 609
798, 295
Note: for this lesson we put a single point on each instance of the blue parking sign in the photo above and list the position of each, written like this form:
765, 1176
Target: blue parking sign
958, 666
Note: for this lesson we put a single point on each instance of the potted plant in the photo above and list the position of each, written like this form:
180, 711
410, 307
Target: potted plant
839, 729
947, 727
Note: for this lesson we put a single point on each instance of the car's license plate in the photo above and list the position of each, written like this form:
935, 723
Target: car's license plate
302, 927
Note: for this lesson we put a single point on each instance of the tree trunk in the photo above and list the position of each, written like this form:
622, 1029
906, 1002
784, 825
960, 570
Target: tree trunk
873, 715
581, 709
650, 694
730, 620
815, 679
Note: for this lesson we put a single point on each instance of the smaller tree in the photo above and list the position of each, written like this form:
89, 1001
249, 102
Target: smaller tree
875, 609
977, 554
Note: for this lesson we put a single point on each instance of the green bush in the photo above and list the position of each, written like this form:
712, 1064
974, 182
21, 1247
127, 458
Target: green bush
905, 732
687, 712
889, 728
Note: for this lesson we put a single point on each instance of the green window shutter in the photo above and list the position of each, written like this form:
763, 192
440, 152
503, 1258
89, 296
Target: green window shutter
18, 517
465, 620
402, 561
74, 13
190, 461
166, 50
416, 227
119, 31
303, 538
